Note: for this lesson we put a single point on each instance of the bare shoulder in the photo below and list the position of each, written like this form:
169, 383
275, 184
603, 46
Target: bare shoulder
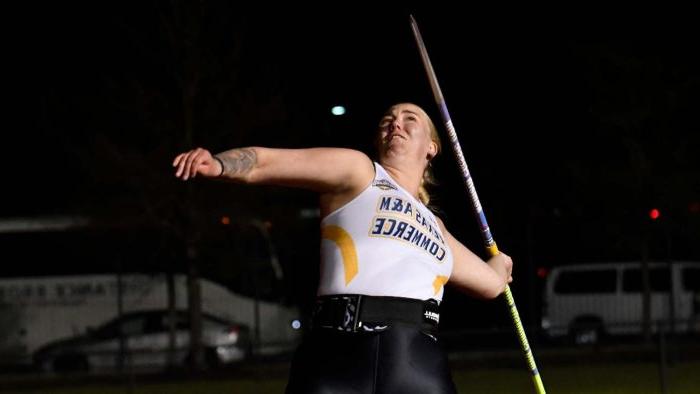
354, 157
441, 224
355, 169
451, 240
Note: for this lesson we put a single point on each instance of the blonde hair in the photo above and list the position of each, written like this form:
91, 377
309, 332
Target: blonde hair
428, 180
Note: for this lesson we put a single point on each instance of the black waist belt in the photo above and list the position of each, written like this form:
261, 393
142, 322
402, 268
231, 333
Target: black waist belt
359, 313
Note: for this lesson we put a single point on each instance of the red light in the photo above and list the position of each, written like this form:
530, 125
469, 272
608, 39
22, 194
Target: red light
233, 330
542, 272
225, 220
694, 207
654, 214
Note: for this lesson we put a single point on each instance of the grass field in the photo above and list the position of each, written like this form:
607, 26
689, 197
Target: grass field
619, 378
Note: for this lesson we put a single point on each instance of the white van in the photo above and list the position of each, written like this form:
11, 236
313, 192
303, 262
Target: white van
37, 310
585, 301
42, 300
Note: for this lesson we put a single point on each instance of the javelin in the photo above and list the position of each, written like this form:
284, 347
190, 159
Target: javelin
485, 231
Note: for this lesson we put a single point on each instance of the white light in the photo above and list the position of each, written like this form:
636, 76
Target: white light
296, 324
338, 110
546, 323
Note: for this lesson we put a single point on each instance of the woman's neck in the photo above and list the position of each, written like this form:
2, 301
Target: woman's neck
408, 177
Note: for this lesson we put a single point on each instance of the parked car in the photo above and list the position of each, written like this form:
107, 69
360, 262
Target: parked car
588, 301
146, 339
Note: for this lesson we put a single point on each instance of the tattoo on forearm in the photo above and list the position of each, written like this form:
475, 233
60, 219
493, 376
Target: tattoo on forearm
238, 162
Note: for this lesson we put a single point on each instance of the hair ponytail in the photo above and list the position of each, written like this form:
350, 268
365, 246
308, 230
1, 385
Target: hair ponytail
427, 181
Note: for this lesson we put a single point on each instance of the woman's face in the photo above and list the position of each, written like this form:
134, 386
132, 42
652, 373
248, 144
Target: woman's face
404, 131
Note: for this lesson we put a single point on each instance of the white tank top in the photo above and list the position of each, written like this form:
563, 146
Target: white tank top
384, 242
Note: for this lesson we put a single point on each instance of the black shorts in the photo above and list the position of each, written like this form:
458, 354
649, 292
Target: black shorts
399, 360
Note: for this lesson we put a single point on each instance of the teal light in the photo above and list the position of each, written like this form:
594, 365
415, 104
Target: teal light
338, 110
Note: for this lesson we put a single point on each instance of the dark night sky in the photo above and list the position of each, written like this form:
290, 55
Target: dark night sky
572, 127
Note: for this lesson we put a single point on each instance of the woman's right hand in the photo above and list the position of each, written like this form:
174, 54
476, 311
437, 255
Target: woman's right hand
197, 161
503, 265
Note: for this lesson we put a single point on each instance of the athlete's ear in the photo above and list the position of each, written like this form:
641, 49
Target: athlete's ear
432, 150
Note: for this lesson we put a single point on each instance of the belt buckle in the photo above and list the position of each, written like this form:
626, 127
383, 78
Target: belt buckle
351, 316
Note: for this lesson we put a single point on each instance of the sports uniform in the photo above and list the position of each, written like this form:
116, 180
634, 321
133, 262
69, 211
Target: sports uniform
384, 262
